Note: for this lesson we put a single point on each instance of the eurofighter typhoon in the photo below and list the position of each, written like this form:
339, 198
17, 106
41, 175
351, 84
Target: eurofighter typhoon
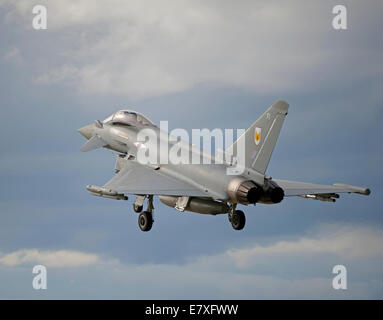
207, 188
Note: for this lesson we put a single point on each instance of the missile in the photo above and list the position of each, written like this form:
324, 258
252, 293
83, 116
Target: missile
321, 197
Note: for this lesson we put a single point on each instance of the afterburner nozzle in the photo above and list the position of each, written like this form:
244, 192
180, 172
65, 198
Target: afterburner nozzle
254, 194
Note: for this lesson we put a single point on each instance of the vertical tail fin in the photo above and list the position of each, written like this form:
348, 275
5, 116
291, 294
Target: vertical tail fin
260, 139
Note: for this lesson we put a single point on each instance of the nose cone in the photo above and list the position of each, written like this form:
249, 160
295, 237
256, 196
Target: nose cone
86, 131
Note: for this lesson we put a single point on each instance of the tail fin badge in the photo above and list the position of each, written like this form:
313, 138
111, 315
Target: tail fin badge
257, 135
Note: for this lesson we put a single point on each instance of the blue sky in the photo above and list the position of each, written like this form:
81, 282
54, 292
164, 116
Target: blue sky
216, 65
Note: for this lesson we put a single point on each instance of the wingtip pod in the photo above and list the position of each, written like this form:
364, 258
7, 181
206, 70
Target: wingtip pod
355, 189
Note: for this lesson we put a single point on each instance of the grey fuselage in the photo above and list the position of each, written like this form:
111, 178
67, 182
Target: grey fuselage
211, 179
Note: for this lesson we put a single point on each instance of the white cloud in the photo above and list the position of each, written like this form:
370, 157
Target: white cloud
148, 48
55, 259
344, 242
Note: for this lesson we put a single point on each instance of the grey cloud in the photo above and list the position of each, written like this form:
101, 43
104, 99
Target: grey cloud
145, 49
220, 64
220, 275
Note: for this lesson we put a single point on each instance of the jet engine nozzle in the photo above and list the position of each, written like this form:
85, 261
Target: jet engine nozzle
253, 195
277, 195
244, 191
272, 193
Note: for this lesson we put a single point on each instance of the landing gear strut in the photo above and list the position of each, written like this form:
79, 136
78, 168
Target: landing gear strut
145, 219
237, 218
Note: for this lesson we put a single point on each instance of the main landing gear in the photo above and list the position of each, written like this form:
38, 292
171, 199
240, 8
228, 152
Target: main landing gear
237, 218
145, 218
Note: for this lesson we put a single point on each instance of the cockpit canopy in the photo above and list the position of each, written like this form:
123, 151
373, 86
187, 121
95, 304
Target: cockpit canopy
129, 118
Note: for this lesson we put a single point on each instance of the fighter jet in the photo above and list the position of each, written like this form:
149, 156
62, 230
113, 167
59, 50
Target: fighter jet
202, 188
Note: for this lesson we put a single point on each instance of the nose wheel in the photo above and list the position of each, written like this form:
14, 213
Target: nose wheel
237, 218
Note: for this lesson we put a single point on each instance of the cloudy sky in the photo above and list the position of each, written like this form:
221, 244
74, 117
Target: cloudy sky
198, 64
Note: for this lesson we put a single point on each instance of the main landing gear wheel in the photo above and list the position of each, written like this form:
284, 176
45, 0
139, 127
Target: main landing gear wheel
145, 221
238, 220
